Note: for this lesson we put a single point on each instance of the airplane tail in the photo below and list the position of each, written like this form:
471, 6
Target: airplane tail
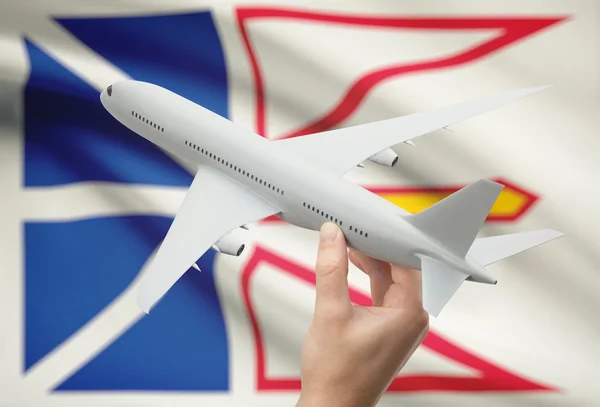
456, 220
440, 281
488, 250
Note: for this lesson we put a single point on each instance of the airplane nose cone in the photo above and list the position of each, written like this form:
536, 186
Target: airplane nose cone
105, 96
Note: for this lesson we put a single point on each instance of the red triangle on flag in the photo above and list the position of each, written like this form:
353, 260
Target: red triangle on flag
510, 30
490, 378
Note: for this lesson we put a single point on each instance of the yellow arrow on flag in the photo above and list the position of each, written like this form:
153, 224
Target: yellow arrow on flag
511, 204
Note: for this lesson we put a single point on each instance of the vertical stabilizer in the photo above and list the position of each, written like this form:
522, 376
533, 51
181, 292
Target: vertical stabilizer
455, 220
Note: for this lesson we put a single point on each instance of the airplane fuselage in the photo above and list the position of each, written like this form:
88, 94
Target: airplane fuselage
284, 179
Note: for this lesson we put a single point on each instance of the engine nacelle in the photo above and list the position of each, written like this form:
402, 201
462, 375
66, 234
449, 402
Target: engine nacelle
385, 157
231, 243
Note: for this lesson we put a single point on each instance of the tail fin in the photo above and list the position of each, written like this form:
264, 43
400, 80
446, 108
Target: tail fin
489, 250
455, 221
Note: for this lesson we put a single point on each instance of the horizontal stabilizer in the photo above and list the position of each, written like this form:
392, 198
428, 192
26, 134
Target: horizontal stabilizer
440, 282
489, 250
455, 220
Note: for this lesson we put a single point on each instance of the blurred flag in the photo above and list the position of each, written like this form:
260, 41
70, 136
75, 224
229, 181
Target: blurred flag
86, 201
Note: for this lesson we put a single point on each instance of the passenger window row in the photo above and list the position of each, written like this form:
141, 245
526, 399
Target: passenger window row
332, 219
234, 167
147, 121
355, 230
326, 215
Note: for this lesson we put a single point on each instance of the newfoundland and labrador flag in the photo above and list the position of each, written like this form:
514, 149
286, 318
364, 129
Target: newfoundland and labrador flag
85, 201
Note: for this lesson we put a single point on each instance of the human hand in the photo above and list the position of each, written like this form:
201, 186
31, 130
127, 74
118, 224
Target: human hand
352, 353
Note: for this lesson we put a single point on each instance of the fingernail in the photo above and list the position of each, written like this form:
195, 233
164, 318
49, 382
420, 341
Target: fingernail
329, 232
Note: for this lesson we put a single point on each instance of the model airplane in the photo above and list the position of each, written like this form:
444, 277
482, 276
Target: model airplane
243, 177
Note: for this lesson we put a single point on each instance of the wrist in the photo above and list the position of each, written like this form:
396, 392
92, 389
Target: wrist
347, 398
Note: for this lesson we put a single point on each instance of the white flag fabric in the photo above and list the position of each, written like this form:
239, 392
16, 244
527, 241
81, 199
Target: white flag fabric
86, 201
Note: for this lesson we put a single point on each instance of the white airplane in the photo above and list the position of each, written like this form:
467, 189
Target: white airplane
243, 177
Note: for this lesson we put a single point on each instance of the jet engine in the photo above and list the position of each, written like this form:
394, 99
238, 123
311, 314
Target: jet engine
231, 243
385, 157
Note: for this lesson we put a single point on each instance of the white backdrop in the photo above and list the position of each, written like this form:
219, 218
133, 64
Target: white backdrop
531, 340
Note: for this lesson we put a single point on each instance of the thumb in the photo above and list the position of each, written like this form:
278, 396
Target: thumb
332, 272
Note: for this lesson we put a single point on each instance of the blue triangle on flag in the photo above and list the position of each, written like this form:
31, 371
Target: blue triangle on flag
70, 137
180, 52
75, 269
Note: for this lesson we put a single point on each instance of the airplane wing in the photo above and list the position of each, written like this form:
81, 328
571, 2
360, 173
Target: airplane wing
341, 150
213, 206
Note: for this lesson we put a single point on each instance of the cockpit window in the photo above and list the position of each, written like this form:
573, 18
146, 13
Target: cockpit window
109, 90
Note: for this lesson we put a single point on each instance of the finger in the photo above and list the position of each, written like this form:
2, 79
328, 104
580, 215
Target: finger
367, 264
406, 290
379, 273
411, 279
332, 272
